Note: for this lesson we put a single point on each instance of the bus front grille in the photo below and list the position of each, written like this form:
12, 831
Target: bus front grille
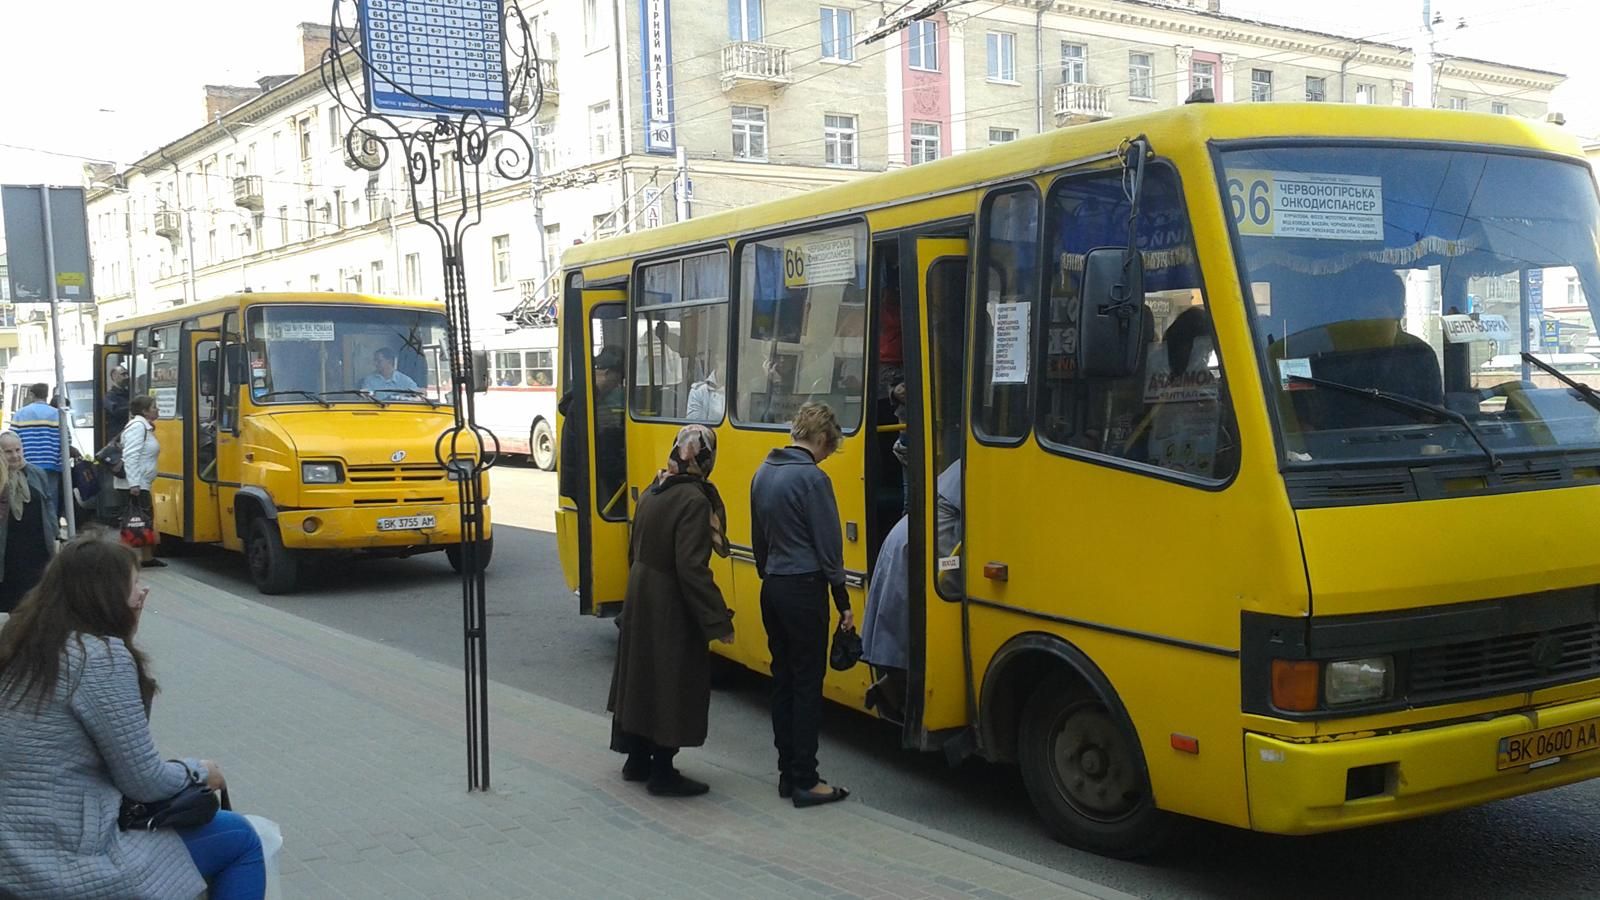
391, 474
1505, 664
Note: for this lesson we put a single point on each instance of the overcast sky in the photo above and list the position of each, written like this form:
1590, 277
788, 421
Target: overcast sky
111, 80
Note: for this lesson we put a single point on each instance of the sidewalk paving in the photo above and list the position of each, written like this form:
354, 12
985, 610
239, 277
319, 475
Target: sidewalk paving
358, 751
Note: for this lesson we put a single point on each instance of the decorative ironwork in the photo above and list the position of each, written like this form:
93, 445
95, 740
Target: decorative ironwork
444, 159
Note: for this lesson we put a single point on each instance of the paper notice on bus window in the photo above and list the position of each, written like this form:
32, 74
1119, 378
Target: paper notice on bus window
1475, 329
1306, 205
302, 331
1293, 368
1010, 350
812, 261
166, 401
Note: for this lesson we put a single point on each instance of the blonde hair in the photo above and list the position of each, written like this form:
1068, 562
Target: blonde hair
816, 421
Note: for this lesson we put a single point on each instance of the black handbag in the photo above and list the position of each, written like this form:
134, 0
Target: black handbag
846, 650
191, 807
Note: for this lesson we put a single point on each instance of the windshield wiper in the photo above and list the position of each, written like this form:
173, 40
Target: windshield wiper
1410, 404
368, 395
412, 393
1588, 394
306, 394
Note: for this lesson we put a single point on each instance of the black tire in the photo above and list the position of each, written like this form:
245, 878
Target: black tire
273, 567
542, 446
1085, 772
452, 552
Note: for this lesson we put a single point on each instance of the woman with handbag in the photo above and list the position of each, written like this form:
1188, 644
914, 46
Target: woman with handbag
140, 450
27, 524
75, 741
661, 686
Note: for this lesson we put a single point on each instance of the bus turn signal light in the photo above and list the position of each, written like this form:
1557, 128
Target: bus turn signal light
1294, 684
1183, 743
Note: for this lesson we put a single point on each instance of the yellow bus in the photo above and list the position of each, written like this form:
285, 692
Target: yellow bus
296, 423
1209, 390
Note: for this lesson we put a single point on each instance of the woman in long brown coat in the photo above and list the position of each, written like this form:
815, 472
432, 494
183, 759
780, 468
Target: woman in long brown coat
661, 687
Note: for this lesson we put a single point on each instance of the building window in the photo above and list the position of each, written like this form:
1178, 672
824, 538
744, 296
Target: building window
1458, 103
1260, 85
681, 311
1074, 63
283, 225
376, 271
595, 32
552, 249
305, 138
924, 142
1002, 56
413, 286
1203, 77
1366, 94
1141, 76
1405, 96
600, 130
1002, 136
750, 132
338, 208
1316, 89
277, 151
838, 34
605, 225
1500, 109
744, 20
335, 135
500, 244
839, 140
923, 39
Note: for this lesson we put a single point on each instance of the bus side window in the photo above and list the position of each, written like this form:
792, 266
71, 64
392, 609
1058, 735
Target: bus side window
232, 374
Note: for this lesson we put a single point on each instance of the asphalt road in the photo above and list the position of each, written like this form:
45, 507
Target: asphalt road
1546, 845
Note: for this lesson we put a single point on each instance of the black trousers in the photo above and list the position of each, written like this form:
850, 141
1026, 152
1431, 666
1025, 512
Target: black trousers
794, 610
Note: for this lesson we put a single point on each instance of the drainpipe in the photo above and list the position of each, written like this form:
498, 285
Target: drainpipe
1038, 67
624, 136
188, 224
1344, 96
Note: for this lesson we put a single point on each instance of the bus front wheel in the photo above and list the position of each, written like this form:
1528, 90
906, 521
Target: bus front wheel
273, 567
1085, 773
453, 553
542, 445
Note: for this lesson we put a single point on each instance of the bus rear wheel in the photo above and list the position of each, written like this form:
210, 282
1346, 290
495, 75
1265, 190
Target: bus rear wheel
273, 567
542, 445
1085, 773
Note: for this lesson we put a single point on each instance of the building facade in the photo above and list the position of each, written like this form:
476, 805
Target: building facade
764, 99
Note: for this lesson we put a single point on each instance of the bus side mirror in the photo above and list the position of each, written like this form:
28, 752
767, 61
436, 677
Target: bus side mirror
480, 370
1111, 313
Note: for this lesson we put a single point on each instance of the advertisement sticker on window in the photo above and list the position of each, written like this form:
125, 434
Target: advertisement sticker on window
1010, 350
1306, 205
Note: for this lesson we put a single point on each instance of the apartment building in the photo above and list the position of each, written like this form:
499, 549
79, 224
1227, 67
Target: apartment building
764, 99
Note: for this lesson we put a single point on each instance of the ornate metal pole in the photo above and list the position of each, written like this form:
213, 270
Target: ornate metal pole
397, 71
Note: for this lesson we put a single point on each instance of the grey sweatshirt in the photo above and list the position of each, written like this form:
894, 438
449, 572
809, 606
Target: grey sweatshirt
794, 520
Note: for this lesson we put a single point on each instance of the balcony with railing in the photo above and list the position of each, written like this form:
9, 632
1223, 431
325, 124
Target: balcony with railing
547, 77
169, 224
247, 192
749, 62
1079, 102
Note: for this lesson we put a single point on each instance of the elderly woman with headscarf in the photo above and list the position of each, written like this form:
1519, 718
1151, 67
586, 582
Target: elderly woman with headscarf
28, 524
661, 687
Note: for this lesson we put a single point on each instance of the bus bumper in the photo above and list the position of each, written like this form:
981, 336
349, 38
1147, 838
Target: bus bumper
1301, 788
348, 528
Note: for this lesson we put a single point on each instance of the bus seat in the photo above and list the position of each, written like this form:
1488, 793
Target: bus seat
1366, 353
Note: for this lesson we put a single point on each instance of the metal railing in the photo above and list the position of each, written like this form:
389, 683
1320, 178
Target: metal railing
1076, 100
247, 192
752, 61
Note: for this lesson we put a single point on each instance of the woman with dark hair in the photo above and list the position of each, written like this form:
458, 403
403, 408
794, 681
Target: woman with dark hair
661, 687
27, 523
75, 740
140, 450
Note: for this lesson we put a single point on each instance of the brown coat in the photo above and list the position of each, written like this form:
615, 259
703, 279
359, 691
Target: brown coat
661, 686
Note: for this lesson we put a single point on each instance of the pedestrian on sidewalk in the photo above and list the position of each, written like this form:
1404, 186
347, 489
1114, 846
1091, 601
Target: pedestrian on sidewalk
140, 450
27, 523
661, 686
39, 426
75, 740
794, 523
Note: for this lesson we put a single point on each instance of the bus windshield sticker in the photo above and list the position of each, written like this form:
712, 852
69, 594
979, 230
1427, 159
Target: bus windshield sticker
302, 331
1010, 352
813, 261
1306, 205
1477, 329
1293, 368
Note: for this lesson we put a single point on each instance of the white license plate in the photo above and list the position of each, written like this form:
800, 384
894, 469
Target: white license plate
407, 523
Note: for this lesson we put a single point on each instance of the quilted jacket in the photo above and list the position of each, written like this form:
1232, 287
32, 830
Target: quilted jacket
63, 772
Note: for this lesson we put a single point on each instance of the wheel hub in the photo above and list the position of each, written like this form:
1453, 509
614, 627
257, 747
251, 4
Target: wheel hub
1093, 765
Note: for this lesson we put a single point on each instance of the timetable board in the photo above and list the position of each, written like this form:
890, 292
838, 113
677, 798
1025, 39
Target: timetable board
434, 57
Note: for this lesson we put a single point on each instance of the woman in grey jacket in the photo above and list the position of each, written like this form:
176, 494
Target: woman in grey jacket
75, 739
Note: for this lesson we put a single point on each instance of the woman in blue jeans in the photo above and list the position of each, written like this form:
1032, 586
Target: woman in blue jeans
75, 740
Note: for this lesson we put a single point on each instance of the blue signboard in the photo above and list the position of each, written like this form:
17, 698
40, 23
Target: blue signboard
434, 57
655, 47
1550, 337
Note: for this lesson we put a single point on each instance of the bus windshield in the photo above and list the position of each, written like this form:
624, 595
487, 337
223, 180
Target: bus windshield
347, 354
1420, 305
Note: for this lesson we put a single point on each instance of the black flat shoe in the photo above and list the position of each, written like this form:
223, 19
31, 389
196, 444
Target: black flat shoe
153, 564
813, 797
679, 785
785, 787
632, 772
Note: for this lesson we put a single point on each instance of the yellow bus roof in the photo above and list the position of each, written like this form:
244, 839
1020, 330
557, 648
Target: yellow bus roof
1189, 124
234, 301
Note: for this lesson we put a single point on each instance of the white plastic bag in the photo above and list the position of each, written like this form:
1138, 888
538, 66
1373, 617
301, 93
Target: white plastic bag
271, 844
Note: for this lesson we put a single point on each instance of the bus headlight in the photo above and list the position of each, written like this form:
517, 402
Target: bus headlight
320, 473
1358, 680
